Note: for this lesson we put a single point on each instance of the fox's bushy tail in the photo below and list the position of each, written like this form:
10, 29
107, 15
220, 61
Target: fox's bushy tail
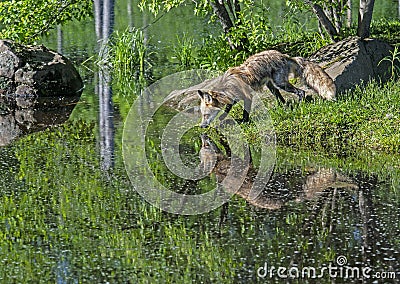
317, 78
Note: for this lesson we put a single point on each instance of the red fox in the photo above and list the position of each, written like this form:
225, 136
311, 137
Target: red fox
268, 68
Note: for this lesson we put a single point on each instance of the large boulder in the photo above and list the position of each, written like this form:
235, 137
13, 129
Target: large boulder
36, 70
353, 61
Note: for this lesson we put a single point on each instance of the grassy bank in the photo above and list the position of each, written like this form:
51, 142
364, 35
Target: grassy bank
368, 117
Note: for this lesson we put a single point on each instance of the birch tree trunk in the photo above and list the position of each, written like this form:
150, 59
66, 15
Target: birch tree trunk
60, 37
324, 21
104, 25
349, 17
365, 17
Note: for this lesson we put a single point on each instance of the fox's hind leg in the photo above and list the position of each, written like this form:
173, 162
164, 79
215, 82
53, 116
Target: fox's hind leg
282, 82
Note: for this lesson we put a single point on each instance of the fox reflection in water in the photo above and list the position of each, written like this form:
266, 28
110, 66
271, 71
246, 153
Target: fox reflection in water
281, 188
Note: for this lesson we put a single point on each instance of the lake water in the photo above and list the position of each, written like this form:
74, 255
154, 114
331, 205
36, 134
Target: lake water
74, 208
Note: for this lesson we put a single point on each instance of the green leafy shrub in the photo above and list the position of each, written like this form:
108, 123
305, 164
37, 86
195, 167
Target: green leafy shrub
25, 21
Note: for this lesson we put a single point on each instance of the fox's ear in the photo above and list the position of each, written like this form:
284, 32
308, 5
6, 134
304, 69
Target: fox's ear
200, 94
205, 96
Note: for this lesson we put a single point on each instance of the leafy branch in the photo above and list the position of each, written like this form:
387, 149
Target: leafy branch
25, 21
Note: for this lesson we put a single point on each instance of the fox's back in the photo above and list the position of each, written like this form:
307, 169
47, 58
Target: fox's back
271, 59
261, 66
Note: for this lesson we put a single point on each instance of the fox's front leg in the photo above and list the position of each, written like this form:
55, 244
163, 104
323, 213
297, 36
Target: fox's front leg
275, 92
226, 111
282, 83
246, 110
286, 86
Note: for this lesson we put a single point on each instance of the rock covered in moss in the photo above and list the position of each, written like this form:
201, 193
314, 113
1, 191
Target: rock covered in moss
36, 70
353, 61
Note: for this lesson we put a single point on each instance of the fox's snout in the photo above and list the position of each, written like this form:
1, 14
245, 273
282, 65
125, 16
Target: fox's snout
205, 122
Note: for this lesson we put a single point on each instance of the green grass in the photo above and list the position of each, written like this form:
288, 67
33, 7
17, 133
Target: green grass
367, 117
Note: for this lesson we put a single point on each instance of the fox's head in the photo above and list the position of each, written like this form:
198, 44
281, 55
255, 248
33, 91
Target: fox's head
209, 154
210, 106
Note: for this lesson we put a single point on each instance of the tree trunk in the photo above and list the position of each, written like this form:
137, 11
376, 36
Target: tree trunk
226, 21
349, 16
223, 15
106, 123
336, 18
104, 23
60, 38
98, 12
365, 17
104, 18
108, 18
129, 12
324, 20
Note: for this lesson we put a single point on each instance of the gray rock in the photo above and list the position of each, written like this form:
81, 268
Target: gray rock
36, 70
353, 61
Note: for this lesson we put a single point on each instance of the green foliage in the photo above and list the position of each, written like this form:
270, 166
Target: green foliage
129, 60
388, 30
184, 52
291, 38
394, 60
25, 21
216, 54
129, 56
306, 5
155, 6
334, 10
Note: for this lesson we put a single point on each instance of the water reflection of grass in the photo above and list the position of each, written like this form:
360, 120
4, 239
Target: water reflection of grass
65, 219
